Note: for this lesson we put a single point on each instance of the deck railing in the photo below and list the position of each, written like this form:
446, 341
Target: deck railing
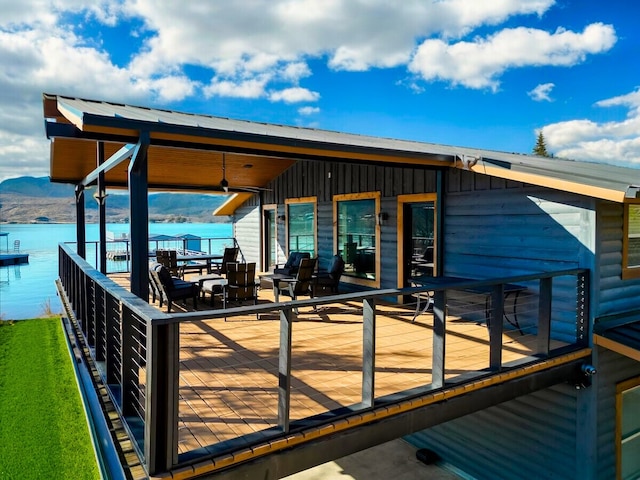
119, 250
137, 350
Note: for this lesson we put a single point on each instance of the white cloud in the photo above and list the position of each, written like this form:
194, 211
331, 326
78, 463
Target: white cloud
257, 49
308, 110
480, 63
615, 142
542, 92
294, 95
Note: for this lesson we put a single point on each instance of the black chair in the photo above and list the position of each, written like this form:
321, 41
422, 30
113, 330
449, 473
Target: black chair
293, 262
230, 255
173, 288
241, 286
327, 282
169, 258
298, 285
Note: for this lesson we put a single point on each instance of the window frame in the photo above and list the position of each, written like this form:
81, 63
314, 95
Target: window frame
376, 196
628, 271
620, 389
297, 201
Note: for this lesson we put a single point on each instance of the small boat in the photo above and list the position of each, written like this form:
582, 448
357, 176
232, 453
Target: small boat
11, 258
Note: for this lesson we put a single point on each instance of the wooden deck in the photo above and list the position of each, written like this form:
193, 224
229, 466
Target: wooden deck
229, 369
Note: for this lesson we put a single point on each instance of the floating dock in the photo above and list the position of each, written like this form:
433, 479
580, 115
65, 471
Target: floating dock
13, 259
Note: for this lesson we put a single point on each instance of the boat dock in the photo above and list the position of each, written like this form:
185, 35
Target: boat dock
11, 258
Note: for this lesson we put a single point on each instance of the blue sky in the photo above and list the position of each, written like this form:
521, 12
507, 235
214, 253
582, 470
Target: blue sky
485, 74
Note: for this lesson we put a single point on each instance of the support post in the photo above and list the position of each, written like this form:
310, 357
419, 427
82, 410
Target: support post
439, 328
101, 197
80, 222
544, 316
139, 219
161, 400
495, 328
583, 293
368, 351
284, 369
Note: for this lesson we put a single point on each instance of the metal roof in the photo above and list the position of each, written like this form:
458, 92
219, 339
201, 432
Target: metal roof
186, 151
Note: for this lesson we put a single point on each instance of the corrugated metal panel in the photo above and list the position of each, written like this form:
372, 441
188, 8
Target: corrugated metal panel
511, 440
616, 295
612, 369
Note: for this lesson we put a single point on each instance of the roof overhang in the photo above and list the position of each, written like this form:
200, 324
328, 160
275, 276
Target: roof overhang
620, 334
186, 152
607, 182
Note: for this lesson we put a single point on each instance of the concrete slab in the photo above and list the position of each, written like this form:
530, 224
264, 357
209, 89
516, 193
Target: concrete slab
393, 460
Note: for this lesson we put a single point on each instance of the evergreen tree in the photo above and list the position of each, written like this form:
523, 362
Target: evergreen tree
541, 146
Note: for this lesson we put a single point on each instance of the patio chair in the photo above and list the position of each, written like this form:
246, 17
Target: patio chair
155, 288
298, 285
327, 282
173, 288
242, 285
168, 258
293, 262
230, 255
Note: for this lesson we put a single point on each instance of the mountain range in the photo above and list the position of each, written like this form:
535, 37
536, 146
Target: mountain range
37, 200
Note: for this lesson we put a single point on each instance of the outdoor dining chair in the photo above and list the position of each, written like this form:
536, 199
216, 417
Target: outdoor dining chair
298, 285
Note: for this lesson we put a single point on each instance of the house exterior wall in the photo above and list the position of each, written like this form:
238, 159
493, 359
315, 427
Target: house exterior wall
495, 228
612, 369
615, 295
323, 180
246, 230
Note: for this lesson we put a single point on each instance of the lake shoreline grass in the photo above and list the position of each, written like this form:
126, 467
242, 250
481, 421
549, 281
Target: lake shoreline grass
43, 427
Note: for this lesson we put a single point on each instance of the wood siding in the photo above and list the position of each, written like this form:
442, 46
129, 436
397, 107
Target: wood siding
246, 229
323, 180
497, 229
615, 295
612, 369
511, 440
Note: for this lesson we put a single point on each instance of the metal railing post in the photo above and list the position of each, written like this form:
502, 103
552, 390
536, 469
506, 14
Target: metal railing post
161, 402
496, 327
284, 369
439, 328
368, 351
544, 316
582, 327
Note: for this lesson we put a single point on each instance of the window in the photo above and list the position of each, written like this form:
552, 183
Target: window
631, 241
301, 225
358, 236
628, 429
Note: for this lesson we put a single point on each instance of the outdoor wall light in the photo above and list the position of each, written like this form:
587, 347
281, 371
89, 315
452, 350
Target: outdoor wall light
382, 217
281, 219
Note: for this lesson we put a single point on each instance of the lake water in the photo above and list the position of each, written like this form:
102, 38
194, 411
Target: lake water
28, 290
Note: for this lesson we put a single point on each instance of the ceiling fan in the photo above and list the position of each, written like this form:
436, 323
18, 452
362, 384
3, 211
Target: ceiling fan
224, 183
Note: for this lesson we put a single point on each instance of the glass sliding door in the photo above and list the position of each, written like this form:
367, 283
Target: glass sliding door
417, 237
358, 236
301, 225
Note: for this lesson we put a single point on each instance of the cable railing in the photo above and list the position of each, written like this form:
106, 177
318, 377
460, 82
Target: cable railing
202, 384
119, 250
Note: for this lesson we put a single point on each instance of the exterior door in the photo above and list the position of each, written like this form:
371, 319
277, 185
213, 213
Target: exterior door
270, 239
417, 237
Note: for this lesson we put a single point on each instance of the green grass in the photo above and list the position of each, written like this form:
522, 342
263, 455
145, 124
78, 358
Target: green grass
43, 431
